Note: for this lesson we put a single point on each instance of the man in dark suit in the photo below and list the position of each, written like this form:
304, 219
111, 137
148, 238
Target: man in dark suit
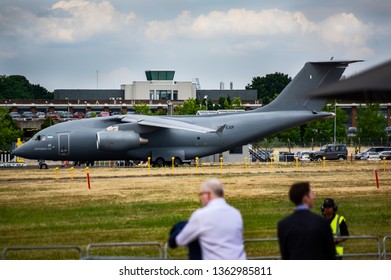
304, 235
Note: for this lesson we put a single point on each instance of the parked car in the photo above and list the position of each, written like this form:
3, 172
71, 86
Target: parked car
52, 115
41, 115
385, 155
286, 156
330, 152
78, 115
372, 149
15, 115
90, 114
128, 163
370, 156
66, 116
104, 114
352, 131
28, 115
303, 155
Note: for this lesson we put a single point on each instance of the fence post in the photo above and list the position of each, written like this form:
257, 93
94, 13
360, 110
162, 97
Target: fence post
221, 163
324, 163
56, 174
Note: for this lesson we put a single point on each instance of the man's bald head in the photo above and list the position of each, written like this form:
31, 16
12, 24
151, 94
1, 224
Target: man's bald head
214, 186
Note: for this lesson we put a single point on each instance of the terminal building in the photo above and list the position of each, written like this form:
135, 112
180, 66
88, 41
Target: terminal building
159, 86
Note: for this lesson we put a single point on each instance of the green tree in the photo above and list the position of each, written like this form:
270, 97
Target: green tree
222, 99
47, 122
18, 87
9, 131
269, 86
292, 135
142, 109
189, 107
225, 103
237, 103
323, 130
370, 123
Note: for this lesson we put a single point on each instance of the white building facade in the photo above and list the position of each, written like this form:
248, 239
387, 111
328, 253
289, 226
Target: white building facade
160, 85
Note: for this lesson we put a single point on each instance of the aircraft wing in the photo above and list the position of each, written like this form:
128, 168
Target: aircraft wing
167, 123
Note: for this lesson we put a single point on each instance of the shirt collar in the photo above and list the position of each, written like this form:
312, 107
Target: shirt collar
216, 201
302, 207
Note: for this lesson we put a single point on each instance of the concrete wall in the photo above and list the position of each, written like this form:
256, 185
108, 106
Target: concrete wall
88, 94
141, 90
228, 156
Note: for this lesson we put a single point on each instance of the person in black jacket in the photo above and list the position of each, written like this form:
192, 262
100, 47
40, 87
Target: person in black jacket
304, 235
194, 248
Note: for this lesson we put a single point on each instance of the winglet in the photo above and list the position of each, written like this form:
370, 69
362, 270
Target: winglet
221, 129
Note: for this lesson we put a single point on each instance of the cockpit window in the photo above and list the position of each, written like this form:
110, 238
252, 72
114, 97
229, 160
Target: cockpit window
40, 138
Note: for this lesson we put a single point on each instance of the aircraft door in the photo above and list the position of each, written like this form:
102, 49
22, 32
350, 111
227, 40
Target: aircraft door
63, 144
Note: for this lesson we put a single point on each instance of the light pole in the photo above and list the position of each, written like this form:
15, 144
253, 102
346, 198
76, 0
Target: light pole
206, 102
335, 121
66, 98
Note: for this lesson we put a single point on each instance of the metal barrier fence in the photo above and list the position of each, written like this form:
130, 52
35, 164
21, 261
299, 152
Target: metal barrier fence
262, 240
166, 252
164, 255
385, 254
122, 244
29, 248
377, 254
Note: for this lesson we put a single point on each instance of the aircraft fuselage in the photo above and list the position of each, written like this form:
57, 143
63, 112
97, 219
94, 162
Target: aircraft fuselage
77, 140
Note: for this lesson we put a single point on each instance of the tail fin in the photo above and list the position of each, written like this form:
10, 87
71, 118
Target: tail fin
312, 76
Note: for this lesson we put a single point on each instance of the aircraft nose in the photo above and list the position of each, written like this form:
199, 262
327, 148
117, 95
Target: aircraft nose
20, 151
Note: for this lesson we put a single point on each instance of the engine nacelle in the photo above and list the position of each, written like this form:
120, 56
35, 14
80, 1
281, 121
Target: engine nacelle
115, 141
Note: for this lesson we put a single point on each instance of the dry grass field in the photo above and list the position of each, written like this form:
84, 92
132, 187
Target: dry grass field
141, 204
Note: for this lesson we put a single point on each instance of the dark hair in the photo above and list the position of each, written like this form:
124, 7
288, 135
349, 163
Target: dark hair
298, 191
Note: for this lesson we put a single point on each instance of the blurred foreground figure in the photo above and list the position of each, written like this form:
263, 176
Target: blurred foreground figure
337, 223
217, 226
304, 235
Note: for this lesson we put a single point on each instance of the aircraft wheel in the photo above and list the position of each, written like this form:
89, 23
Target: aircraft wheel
43, 166
160, 162
177, 162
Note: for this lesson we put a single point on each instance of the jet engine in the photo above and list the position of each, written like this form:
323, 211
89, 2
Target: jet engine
115, 141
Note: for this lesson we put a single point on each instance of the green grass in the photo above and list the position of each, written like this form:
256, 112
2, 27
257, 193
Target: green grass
129, 210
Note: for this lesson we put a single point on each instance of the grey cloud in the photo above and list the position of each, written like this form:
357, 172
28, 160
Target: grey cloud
161, 34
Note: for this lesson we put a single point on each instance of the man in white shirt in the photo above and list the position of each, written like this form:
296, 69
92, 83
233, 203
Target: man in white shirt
217, 226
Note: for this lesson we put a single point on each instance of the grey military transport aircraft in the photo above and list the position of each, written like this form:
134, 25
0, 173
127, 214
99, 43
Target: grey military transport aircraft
137, 137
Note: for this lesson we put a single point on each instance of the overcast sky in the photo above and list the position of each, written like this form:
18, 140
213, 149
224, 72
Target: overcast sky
62, 44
